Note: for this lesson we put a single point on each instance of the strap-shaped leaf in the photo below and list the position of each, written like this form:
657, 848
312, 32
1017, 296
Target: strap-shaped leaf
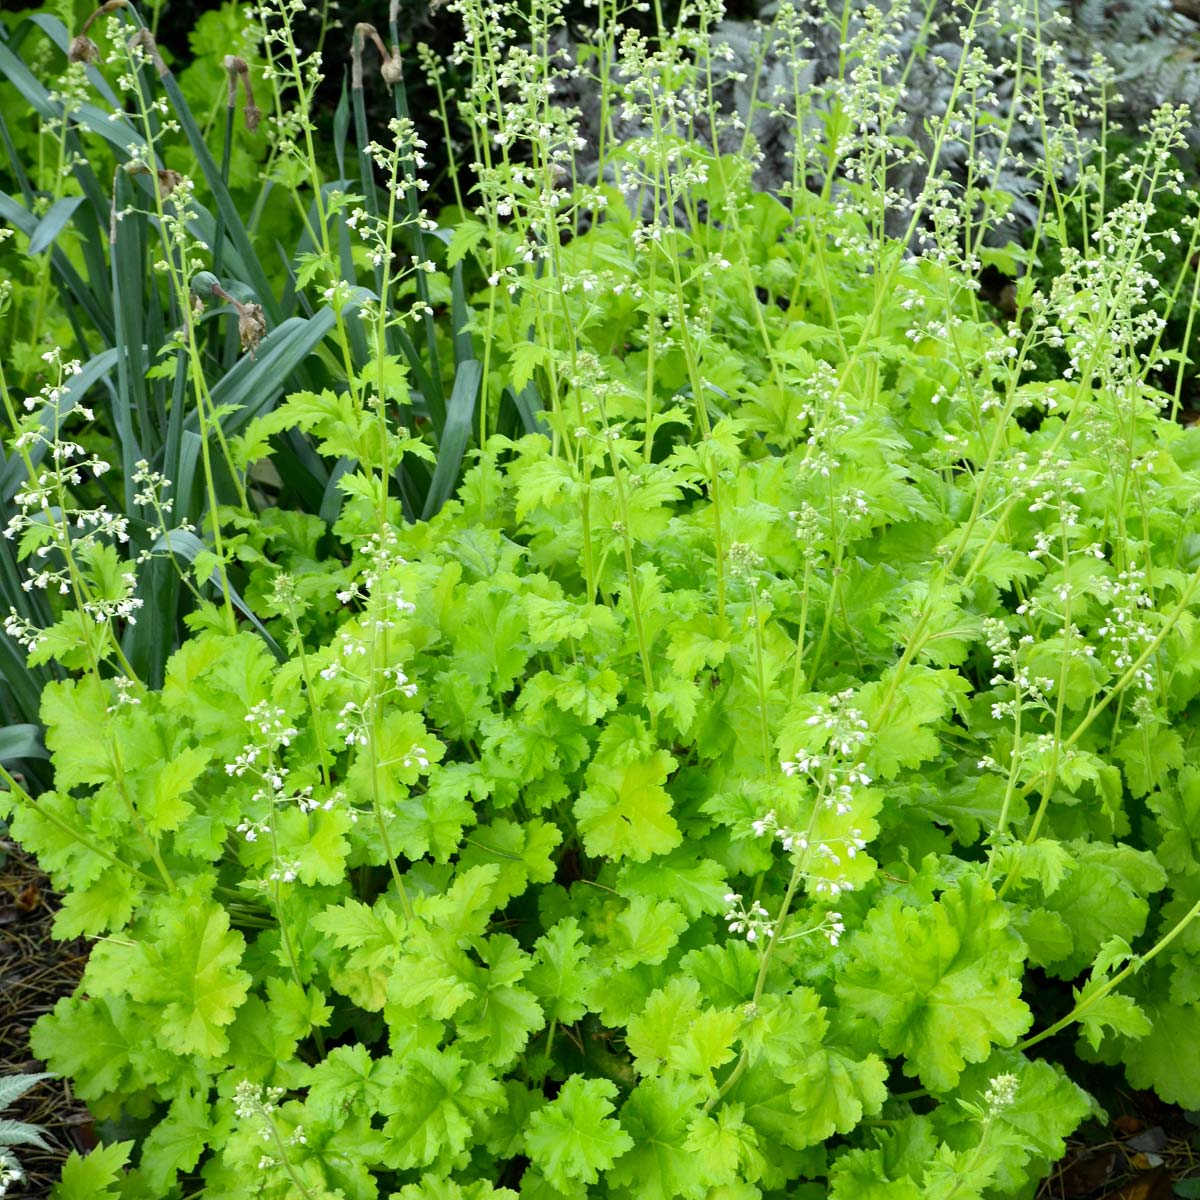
456, 434
71, 282
187, 545
136, 433
149, 643
20, 741
60, 35
119, 133
528, 403
235, 226
460, 317
51, 225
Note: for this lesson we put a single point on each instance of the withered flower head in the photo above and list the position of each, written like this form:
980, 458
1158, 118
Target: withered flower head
391, 69
168, 181
82, 50
252, 326
236, 69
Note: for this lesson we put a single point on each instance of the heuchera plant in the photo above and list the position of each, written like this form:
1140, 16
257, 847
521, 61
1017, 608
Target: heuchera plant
496, 883
773, 778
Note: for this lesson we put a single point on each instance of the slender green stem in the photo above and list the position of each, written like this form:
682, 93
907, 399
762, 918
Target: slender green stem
1091, 997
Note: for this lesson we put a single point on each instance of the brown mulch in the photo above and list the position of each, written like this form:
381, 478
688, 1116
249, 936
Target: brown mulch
1146, 1149
35, 971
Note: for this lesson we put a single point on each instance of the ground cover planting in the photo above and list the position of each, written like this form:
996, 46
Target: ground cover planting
613, 682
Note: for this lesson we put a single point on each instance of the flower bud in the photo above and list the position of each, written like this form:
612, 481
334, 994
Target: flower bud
203, 284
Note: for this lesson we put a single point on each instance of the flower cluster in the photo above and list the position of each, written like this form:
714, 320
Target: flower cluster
258, 758
757, 925
1001, 1093
755, 922
383, 603
827, 852
1030, 690
824, 844
1126, 634
257, 1105
69, 545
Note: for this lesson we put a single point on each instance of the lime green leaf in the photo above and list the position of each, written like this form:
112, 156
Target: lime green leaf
645, 931
295, 1010
433, 1188
1155, 1061
1177, 810
1046, 861
908, 735
433, 821
91, 1042
697, 885
1147, 755
387, 770
466, 907
725, 973
163, 805
525, 359
95, 1176
374, 937
831, 1088
674, 1032
660, 1166
77, 731
1027, 1135
726, 1149
106, 904
316, 841
348, 1080
834, 1090
193, 971
47, 831
668, 1013
560, 974
625, 812
497, 1024
575, 1137
176, 1142
890, 1171
436, 1105
1103, 896
468, 234
488, 630
520, 853
943, 983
